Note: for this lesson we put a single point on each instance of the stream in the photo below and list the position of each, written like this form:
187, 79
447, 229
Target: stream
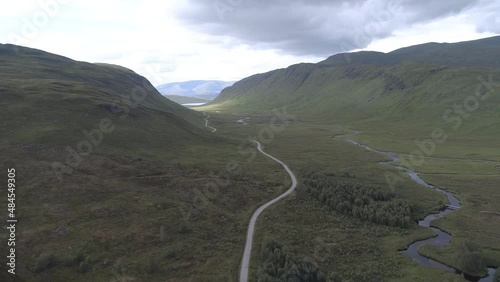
442, 238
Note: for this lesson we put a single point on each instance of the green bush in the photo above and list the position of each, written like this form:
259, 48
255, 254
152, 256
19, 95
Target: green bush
171, 254
184, 229
152, 266
73, 259
85, 265
44, 262
471, 258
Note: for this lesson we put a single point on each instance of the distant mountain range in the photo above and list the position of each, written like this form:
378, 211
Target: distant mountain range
202, 89
185, 99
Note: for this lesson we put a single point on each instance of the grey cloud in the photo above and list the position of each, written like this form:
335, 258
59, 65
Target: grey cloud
424, 10
314, 27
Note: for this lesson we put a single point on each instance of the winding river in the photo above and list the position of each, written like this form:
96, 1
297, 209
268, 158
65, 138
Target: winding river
442, 238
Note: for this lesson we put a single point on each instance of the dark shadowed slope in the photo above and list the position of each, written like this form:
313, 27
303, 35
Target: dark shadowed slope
49, 100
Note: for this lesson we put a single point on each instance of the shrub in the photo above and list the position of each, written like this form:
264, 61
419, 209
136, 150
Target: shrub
184, 229
73, 259
152, 266
85, 265
44, 262
171, 254
470, 258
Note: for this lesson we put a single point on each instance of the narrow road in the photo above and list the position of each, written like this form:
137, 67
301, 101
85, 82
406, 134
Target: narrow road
206, 123
245, 261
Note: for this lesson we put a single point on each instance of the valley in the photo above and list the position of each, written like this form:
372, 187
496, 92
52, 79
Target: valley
349, 164
439, 129
315, 172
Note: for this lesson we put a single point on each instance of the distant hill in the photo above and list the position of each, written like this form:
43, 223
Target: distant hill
203, 89
418, 83
185, 99
478, 53
49, 100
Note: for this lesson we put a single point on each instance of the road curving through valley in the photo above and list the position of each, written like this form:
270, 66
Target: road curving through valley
247, 252
245, 261
206, 123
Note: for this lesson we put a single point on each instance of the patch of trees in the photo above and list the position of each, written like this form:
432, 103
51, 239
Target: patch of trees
367, 203
277, 264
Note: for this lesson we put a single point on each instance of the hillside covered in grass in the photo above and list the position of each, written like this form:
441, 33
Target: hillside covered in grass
435, 106
49, 100
114, 182
419, 83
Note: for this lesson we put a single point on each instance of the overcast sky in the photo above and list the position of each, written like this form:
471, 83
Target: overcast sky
180, 40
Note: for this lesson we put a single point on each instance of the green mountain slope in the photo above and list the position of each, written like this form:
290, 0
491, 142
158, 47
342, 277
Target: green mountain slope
114, 182
480, 53
410, 84
50, 100
437, 106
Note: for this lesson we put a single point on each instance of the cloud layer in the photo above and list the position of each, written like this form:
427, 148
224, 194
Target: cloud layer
323, 27
180, 40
